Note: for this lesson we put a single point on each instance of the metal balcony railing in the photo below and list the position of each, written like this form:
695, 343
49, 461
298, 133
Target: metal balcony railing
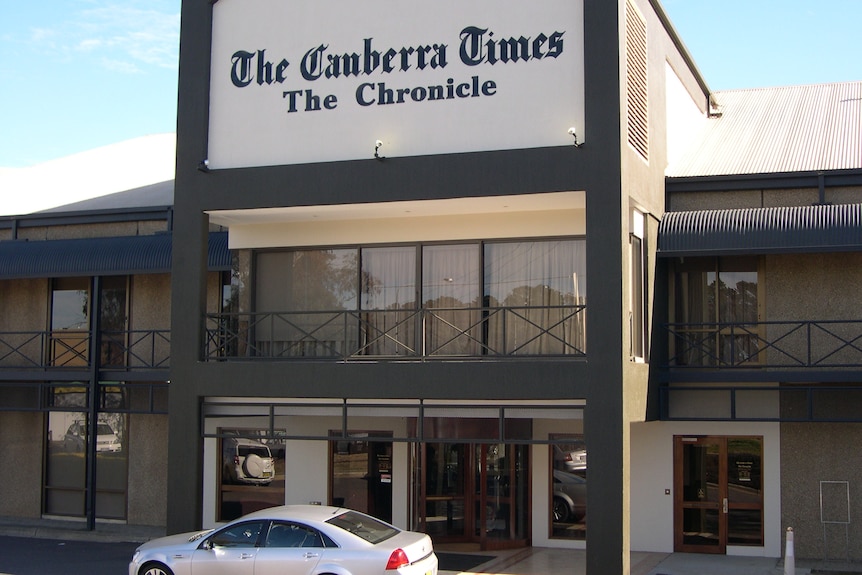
398, 334
70, 349
768, 344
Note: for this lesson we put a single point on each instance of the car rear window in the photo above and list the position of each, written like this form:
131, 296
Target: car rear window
364, 526
246, 450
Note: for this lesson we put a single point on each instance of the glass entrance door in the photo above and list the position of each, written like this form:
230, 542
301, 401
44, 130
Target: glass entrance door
718, 493
700, 516
476, 493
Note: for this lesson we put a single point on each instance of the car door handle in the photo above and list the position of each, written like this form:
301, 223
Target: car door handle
310, 555
246, 555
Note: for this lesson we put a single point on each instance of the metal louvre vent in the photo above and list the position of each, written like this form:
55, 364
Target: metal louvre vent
636, 81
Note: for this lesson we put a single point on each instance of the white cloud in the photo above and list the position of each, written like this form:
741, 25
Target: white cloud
135, 34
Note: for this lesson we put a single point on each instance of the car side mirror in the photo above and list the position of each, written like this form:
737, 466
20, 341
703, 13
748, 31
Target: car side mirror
207, 545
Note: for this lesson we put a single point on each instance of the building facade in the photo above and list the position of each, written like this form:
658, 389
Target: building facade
415, 208
756, 359
85, 360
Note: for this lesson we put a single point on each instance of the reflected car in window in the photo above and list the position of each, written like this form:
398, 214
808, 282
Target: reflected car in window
570, 459
247, 461
295, 539
570, 497
106, 440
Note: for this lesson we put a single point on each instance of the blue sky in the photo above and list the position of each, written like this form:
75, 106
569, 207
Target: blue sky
81, 74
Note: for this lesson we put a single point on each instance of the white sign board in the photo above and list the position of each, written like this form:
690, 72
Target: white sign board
326, 80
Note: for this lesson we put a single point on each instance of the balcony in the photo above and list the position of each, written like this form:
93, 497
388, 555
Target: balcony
489, 332
781, 345
70, 350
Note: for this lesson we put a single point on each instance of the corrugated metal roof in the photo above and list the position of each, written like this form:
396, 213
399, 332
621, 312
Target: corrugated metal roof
797, 229
99, 256
159, 194
776, 130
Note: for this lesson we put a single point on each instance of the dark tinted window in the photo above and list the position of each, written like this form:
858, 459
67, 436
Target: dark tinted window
364, 526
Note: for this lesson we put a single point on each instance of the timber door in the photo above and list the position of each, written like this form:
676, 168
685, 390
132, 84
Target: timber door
718, 493
476, 493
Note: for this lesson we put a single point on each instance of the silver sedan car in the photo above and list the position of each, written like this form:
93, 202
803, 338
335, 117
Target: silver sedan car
295, 539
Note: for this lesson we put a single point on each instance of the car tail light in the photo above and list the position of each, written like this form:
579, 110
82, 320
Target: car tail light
397, 559
236, 459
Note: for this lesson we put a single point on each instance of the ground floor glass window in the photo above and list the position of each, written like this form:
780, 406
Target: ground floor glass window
251, 471
66, 461
568, 474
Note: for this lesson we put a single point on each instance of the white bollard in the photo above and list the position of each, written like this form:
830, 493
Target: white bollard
789, 556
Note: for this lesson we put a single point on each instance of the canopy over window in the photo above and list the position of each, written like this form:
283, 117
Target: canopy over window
797, 229
100, 256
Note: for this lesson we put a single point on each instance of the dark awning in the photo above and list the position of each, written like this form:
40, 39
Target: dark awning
99, 256
797, 229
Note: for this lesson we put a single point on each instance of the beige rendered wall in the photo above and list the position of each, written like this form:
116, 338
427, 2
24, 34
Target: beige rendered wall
148, 465
816, 286
25, 305
21, 449
812, 453
720, 200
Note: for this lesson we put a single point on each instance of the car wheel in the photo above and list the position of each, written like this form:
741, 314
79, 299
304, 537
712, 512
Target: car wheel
155, 569
253, 466
560, 510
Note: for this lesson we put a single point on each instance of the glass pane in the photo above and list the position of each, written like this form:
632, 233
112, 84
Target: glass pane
307, 280
744, 470
745, 527
323, 283
389, 288
70, 304
700, 473
362, 477
568, 505
112, 317
251, 468
450, 287
700, 526
66, 463
70, 322
537, 283
445, 468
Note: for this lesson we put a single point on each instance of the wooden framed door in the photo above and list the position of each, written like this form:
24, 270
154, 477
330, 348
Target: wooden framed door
476, 493
700, 494
718, 493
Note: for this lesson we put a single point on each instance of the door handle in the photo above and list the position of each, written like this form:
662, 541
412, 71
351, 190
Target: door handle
310, 555
724, 505
246, 555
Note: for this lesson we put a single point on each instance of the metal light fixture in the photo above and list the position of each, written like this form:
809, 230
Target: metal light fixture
377, 145
574, 134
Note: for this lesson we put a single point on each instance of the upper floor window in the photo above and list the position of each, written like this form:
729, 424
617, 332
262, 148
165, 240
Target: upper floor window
638, 313
715, 306
70, 322
479, 298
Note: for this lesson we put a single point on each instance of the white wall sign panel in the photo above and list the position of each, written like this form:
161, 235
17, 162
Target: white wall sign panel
326, 80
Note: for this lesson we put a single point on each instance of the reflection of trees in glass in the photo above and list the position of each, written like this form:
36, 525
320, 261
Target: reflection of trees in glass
388, 278
113, 304
735, 294
537, 295
323, 280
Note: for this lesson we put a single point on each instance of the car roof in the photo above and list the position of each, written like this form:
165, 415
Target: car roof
245, 441
299, 512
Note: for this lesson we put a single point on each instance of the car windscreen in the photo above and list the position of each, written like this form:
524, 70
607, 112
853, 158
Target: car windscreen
363, 526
